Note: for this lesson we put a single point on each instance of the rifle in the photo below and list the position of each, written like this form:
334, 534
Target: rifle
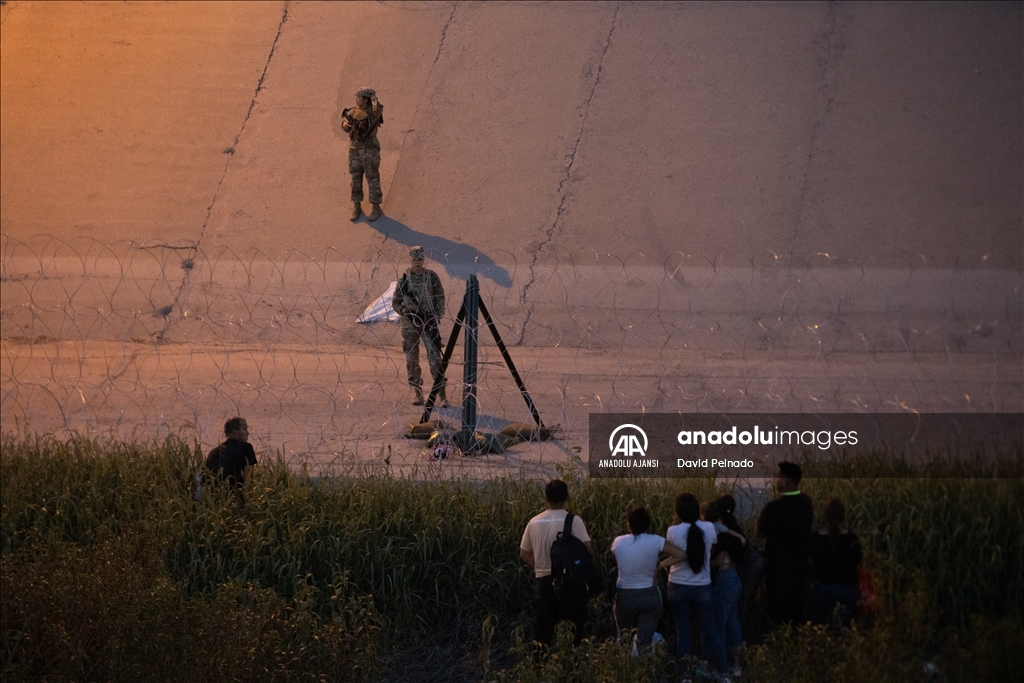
403, 285
361, 130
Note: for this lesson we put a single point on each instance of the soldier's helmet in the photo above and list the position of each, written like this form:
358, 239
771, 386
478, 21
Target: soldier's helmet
368, 93
416, 252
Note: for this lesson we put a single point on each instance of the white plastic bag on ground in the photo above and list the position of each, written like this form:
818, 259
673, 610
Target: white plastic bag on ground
381, 310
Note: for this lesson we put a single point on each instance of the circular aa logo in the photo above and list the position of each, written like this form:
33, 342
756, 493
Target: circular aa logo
628, 443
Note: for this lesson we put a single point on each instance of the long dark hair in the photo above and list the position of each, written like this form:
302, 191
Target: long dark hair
835, 517
688, 511
639, 521
726, 508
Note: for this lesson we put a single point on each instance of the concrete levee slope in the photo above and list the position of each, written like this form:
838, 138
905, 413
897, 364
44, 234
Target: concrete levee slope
701, 195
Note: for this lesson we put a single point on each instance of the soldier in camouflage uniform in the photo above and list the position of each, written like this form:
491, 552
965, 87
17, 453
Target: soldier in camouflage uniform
419, 299
361, 123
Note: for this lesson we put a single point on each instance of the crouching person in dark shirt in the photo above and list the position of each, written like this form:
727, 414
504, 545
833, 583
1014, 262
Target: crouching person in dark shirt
231, 461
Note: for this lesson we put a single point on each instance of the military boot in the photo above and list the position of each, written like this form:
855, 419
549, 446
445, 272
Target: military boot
357, 211
442, 398
375, 213
418, 398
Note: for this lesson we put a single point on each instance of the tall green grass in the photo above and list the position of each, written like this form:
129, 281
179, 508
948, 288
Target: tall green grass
107, 556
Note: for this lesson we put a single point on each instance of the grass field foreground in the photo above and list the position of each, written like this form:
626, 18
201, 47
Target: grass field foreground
111, 570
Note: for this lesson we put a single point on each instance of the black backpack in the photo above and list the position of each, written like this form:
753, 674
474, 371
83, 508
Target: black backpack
574, 576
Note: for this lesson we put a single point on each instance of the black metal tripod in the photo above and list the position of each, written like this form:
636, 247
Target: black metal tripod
468, 318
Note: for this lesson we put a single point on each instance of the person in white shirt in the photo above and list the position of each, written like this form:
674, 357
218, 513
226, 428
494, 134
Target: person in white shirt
689, 583
637, 597
535, 550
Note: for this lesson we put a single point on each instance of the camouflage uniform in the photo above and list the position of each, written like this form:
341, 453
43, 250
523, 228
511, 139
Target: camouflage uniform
364, 149
419, 299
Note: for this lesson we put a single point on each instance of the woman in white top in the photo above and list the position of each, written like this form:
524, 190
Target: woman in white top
637, 598
689, 583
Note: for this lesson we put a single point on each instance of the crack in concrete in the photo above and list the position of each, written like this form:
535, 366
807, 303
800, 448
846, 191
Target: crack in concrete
416, 111
562, 191
830, 46
110, 379
444, 33
230, 151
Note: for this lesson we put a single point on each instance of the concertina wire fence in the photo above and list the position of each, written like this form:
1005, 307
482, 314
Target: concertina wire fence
141, 340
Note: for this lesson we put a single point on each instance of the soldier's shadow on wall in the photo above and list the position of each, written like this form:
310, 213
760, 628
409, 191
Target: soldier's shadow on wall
459, 260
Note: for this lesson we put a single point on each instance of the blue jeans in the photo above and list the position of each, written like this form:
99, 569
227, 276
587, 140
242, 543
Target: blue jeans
682, 599
827, 597
726, 592
638, 608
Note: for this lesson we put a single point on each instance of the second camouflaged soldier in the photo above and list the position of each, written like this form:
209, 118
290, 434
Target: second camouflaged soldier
419, 299
361, 123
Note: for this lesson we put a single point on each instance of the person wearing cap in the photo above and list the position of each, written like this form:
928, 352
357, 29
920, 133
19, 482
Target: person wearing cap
419, 299
361, 123
786, 524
